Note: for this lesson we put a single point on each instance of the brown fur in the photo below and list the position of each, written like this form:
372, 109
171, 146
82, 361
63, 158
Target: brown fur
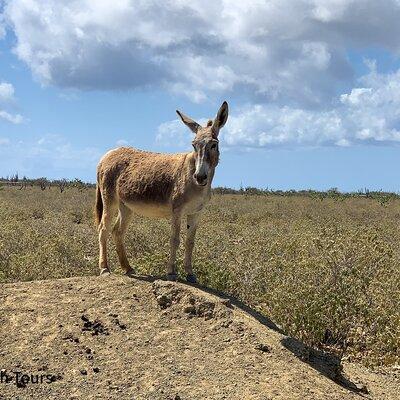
131, 175
154, 184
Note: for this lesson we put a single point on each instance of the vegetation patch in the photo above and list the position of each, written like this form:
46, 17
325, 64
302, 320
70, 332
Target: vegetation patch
325, 268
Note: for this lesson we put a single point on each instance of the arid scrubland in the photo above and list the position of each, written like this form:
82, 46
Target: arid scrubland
326, 270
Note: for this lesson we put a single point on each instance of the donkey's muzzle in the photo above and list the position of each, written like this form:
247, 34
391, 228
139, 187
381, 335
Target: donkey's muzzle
200, 179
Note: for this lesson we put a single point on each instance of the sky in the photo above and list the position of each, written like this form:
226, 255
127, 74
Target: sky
313, 87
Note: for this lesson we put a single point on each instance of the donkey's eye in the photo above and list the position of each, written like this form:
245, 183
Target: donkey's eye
214, 146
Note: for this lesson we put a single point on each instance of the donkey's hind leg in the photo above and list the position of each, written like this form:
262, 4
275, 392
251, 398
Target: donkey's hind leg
118, 232
104, 231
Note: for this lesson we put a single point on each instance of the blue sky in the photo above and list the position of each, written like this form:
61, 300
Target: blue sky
313, 87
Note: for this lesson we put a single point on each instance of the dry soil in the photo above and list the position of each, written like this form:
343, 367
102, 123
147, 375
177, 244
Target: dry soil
136, 338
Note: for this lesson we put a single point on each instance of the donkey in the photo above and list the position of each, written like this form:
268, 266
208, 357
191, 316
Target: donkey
157, 185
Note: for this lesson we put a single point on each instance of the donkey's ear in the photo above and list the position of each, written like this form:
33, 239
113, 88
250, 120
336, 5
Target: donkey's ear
222, 116
192, 125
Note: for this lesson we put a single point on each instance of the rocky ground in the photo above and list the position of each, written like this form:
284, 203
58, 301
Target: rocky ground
120, 338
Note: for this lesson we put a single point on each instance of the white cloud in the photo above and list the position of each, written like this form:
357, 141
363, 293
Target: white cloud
6, 92
365, 115
51, 155
175, 134
13, 118
122, 142
291, 52
356, 97
7, 99
2, 27
287, 60
266, 126
62, 153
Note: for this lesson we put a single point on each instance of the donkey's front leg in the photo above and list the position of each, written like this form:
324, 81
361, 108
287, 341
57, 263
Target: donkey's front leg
189, 245
175, 232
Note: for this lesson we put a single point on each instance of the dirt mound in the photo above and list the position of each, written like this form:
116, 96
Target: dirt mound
170, 295
121, 338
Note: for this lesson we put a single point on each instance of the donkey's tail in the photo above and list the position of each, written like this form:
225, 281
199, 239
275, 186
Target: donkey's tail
98, 208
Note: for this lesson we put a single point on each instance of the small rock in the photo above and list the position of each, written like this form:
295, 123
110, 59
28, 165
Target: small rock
119, 324
95, 327
361, 387
263, 347
189, 309
96, 370
83, 371
163, 301
225, 323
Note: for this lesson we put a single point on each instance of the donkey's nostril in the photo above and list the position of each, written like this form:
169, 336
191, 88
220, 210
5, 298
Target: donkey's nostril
200, 178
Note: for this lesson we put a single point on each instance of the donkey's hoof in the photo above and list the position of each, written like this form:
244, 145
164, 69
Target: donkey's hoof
105, 272
172, 277
191, 278
130, 272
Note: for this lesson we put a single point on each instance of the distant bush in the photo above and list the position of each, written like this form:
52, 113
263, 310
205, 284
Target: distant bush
333, 193
44, 183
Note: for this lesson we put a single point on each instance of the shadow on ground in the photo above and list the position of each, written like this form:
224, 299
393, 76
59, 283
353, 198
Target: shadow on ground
325, 363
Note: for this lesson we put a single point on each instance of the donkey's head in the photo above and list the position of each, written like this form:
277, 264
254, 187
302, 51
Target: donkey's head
205, 143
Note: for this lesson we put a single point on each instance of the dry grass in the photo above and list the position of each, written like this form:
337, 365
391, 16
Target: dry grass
327, 271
